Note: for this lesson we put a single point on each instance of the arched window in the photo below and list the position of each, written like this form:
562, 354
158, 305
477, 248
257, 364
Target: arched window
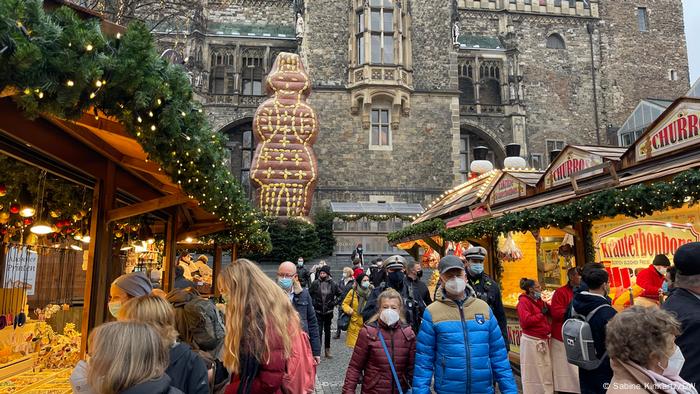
490, 92
554, 41
241, 146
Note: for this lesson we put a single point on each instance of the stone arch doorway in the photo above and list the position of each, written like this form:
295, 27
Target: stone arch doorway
471, 137
241, 146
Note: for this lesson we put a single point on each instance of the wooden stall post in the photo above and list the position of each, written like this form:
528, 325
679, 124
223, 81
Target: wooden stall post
234, 252
218, 256
580, 243
99, 256
169, 260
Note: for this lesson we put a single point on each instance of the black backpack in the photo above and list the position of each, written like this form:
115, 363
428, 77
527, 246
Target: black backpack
205, 324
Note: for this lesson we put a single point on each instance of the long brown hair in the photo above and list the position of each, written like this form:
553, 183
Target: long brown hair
256, 306
124, 354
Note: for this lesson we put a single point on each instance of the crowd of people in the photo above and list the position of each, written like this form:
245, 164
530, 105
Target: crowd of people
268, 336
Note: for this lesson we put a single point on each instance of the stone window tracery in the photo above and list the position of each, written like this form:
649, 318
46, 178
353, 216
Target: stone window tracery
252, 71
379, 33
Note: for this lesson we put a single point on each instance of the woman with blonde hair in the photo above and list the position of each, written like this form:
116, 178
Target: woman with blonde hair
643, 354
384, 353
262, 327
129, 358
186, 369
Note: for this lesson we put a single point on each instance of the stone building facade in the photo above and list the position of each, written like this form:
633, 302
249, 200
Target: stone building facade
405, 89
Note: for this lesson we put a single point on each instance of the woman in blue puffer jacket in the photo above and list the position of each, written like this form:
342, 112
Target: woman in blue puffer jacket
460, 342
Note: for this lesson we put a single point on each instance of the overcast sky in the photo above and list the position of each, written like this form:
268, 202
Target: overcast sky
691, 10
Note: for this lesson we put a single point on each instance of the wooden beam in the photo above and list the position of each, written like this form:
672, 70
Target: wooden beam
100, 268
215, 228
142, 165
436, 247
170, 258
146, 206
218, 256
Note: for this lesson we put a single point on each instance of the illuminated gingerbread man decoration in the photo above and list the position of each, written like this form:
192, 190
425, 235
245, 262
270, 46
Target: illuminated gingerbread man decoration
284, 169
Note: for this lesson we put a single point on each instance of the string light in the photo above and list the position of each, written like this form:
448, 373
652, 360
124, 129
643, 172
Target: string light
88, 47
70, 83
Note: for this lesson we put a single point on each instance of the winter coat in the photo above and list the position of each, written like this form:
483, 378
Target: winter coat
560, 304
592, 381
304, 305
629, 380
460, 343
351, 306
187, 370
487, 290
269, 377
161, 385
377, 276
532, 317
345, 287
421, 295
370, 363
182, 283
651, 281
686, 306
324, 306
410, 305
304, 276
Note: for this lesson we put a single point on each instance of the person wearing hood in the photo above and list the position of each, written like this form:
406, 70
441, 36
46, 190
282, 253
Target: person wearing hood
485, 287
651, 279
128, 358
346, 284
325, 294
288, 280
535, 356
353, 304
460, 346
386, 344
126, 287
593, 293
684, 303
395, 279
644, 357
565, 374
186, 369
303, 273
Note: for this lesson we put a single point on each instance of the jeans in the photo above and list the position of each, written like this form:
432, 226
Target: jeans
324, 328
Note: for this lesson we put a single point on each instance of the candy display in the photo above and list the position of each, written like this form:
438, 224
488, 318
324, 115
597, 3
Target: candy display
508, 250
52, 382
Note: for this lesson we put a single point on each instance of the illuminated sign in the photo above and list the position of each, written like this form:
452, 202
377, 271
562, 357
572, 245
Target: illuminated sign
679, 129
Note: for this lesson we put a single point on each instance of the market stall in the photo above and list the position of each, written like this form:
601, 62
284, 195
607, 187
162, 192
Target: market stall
105, 164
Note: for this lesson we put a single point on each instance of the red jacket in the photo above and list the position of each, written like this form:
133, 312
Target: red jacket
533, 322
369, 358
651, 281
560, 303
269, 377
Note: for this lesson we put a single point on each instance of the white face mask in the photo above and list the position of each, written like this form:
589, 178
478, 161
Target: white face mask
675, 364
455, 286
662, 270
389, 316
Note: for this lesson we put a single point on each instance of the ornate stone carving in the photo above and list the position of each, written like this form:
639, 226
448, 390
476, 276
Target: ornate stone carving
284, 169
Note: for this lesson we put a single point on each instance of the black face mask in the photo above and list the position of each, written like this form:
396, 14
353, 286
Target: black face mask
395, 279
419, 274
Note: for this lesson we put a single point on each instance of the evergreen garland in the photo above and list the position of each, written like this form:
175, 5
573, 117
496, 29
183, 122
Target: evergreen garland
64, 66
634, 201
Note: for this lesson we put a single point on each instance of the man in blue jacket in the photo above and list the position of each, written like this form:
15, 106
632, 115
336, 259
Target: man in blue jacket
288, 280
460, 343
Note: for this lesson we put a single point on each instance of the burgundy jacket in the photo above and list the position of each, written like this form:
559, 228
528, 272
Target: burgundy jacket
369, 359
269, 377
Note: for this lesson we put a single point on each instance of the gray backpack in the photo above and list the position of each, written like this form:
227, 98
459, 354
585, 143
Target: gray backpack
578, 340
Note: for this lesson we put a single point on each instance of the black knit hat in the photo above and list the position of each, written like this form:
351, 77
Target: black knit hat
325, 269
687, 259
661, 259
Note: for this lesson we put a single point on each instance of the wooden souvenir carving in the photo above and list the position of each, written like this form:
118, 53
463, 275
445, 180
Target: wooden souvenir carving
284, 169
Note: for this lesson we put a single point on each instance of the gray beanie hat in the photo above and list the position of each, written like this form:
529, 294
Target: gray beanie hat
135, 284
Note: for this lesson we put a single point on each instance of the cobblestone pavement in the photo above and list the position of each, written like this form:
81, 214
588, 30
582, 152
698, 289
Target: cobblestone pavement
330, 374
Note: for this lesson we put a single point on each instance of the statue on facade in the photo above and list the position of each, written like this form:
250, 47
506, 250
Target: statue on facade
455, 34
513, 96
300, 26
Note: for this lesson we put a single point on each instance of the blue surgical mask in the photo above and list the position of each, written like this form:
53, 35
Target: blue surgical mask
538, 295
285, 283
476, 268
365, 285
114, 308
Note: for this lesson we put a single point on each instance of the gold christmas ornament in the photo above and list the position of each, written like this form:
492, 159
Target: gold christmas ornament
55, 213
4, 217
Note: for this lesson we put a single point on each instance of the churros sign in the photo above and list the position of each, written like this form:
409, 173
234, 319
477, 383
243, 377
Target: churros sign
635, 244
680, 129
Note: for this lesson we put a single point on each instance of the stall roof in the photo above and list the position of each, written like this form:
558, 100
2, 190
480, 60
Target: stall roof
376, 208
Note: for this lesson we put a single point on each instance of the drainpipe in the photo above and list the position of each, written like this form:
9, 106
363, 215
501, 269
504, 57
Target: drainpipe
591, 30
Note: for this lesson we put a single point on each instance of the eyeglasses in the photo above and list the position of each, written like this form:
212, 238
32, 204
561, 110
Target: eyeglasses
286, 275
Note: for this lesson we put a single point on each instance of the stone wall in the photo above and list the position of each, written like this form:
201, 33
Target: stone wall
247, 12
326, 42
636, 64
432, 45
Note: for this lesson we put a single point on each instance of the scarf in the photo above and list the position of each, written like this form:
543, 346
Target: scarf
362, 295
249, 370
666, 384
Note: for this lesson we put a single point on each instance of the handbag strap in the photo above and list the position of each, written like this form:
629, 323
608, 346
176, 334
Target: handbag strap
391, 362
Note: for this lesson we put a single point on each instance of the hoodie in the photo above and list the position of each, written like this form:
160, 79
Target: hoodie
593, 381
187, 370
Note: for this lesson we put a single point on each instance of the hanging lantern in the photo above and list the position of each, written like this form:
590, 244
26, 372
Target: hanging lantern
42, 227
118, 234
26, 205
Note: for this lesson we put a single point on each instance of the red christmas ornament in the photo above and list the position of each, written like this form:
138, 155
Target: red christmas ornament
14, 208
3, 189
28, 221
